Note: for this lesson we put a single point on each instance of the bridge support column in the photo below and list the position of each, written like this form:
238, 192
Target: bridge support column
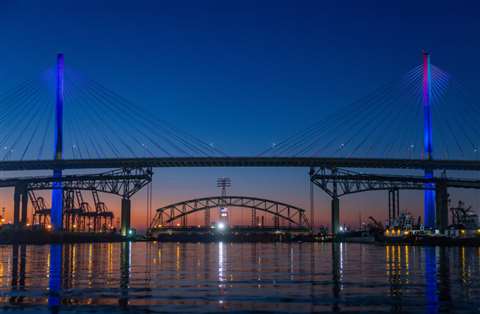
393, 205
20, 205
335, 215
335, 206
16, 207
311, 173
125, 216
441, 212
24, 206
312, 207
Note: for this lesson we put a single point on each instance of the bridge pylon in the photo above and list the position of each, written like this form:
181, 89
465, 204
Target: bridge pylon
429, 194
56, 214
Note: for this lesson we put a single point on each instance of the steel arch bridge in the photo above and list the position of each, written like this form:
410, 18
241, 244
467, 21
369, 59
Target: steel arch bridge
290, 214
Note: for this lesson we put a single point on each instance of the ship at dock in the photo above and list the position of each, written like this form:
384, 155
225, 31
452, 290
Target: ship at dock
463, 230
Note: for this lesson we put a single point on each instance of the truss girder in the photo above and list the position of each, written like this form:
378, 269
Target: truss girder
123, 182
349, 182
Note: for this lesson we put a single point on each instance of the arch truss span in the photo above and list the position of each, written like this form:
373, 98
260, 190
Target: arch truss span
281, 212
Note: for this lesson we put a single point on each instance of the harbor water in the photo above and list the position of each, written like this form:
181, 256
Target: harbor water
154, 277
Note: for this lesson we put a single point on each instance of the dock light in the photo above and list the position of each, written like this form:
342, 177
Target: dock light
221, 226
178, 225
406, 232
462, 231
49, 227
341, 229
478, 230
387, 232
130, 232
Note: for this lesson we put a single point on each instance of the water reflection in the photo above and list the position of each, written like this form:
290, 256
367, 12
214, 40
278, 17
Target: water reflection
430, 279
434, 263
444, 284
295, 277
221, 272
337, 264
55, 277
125, 260
18, 273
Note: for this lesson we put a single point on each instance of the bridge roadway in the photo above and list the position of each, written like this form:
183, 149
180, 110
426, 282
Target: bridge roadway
166, 162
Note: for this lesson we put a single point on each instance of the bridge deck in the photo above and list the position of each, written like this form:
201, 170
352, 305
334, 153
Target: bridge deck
163, 162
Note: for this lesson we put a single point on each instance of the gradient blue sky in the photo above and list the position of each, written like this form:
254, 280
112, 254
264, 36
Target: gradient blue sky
241, 74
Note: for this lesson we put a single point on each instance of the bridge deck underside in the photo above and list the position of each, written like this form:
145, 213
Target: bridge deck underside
241, 162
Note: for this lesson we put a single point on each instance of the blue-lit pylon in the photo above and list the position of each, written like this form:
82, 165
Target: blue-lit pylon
57, 192
429, 196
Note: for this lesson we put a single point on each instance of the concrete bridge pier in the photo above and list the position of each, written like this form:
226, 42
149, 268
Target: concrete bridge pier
393, 205
125, 216
16, 207
335, 206
335, 215
24, 206
441, 207
20, 205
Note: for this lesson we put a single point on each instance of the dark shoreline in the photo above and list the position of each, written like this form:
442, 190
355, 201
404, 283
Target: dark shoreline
42, 237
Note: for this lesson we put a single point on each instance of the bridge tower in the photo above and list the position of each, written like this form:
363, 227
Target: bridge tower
56, 212
429, 194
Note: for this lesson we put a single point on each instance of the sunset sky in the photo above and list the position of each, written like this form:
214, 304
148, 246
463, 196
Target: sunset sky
241, 75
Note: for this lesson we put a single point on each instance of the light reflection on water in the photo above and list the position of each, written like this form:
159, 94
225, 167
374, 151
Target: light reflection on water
290, 277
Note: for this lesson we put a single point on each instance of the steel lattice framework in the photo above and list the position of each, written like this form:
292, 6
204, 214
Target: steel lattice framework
167, 214
124, 182
339, 182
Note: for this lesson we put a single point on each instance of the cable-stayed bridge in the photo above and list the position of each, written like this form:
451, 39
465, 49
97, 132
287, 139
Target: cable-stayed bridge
409, 123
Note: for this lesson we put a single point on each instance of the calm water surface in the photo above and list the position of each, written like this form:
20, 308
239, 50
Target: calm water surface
299, 277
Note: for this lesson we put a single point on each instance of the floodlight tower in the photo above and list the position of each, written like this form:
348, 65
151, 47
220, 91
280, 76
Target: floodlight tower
223, 183
56, 211
429, 195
